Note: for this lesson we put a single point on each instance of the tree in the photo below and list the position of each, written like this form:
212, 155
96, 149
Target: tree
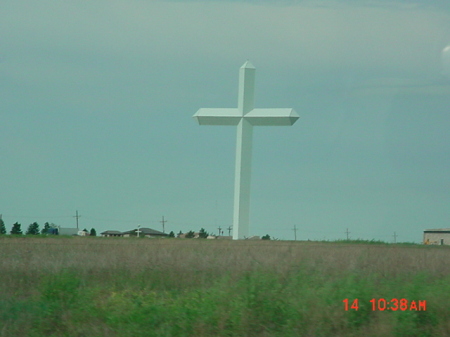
2, 226
33, 229
190, 235
46, 228
93, 232
266, 237
203, 234
16, 229
171, 234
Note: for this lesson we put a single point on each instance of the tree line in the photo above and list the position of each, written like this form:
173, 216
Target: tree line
203, 234
33, 229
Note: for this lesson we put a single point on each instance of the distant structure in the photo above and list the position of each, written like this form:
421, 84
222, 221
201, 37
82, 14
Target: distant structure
52, 230
436, 236
111, 233
245, 117
144, 232
67, 231
141, 232
83, 233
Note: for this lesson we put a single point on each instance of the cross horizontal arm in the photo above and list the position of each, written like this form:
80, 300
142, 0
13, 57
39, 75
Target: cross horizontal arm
208, 116
272, 117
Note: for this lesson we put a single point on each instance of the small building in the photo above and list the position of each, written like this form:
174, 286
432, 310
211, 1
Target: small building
111, 233
436, 236
147, 232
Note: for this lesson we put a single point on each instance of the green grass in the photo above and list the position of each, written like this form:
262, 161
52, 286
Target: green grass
141, 287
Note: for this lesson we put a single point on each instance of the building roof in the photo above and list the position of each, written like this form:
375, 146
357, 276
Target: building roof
111, 232
145, 231
439, 230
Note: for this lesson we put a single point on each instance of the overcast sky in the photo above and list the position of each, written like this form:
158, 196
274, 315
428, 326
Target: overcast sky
97, 98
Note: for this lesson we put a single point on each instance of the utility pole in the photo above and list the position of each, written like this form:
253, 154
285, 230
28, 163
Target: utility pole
295, 232
347, 233
395, 237
229, 230
77, 216
163, 223
220, 229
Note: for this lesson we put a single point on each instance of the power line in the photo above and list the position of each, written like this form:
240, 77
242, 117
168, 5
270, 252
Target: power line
35, 217
395, 237
77, 216
118, 220
347, 232
295, 232
229, 230
163, 223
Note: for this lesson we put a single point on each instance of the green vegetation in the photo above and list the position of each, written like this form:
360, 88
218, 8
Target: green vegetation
2, 226
190, 235
128, 287
203, 234
46, 228
16, 229
33, 229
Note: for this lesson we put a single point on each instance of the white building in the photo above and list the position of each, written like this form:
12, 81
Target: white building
67, 231
436, 236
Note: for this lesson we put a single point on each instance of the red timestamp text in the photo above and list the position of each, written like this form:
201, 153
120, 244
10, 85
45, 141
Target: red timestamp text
382, 304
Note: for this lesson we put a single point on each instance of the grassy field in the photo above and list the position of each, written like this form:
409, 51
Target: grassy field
191, 287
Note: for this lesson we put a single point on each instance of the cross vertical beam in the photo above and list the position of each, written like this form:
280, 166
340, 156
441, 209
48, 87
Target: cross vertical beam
246, 95
245, 117
241, 216
246, 101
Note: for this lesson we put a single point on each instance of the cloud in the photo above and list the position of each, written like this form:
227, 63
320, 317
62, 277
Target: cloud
64, 42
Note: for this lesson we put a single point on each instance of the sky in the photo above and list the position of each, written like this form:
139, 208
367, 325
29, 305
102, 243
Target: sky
97, 98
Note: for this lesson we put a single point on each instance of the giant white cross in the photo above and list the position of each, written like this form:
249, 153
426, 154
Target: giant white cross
245, 117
